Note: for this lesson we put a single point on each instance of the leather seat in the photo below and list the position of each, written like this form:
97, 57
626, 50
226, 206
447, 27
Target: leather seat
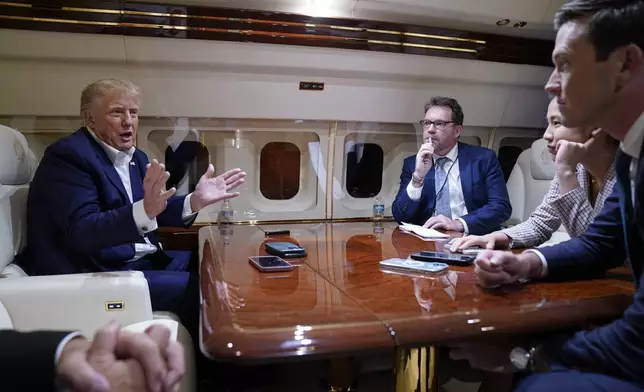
529, 182
82, 302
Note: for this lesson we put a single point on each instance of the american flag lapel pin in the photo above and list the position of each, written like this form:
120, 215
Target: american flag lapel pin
132, 163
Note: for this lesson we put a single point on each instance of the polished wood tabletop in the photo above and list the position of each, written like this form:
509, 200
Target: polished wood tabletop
338, 300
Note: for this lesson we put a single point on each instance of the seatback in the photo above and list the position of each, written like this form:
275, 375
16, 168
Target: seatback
5, 319
17, 165
529, 181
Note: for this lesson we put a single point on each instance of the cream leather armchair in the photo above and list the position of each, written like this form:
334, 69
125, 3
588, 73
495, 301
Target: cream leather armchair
81, 302
529, 182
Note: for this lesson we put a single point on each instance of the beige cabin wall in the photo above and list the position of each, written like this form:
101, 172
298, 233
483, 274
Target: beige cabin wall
219, 88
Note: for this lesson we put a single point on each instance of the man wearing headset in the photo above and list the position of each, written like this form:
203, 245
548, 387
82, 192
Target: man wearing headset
451, 185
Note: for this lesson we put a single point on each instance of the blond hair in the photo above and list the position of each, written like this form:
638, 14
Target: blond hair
101, 87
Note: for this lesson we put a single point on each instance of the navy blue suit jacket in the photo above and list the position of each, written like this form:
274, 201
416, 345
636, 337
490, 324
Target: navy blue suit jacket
79, 218
34, 351
484, 190
616, 235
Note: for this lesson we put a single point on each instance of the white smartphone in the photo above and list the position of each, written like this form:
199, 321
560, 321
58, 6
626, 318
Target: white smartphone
414, 265
270, 263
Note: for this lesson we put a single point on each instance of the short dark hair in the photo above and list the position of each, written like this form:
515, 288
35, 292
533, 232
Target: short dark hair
457, 111
611, 23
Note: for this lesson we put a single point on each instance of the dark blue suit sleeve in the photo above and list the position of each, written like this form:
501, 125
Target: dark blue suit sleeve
616, 349
27, 360
72, 196
405, 209
497, 210
171, 216
599, 249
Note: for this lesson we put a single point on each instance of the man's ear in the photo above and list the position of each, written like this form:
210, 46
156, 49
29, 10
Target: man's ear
630, 60
457, 131
88, 120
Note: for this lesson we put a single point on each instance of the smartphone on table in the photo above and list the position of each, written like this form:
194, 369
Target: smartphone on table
413, 266
444, 257
270, 263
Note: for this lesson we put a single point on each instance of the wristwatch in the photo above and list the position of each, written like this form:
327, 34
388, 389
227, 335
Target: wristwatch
531, 360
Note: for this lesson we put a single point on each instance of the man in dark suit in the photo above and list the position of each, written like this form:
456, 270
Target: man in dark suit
95, 202
115, 360
598, 79
450, 185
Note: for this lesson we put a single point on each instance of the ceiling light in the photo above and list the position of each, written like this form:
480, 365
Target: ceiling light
502, 22
520, 24
317, 8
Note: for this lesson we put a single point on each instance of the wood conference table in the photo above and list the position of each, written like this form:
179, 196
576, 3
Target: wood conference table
338, 303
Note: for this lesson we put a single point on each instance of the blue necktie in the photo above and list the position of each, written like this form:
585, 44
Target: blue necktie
442, 195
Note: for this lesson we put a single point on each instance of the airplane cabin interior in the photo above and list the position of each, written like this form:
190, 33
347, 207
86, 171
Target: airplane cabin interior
319, 102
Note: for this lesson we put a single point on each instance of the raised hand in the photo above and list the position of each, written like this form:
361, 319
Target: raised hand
155, 197
211, 189
424, 161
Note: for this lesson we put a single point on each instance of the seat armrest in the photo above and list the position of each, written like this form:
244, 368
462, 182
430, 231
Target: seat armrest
78, 302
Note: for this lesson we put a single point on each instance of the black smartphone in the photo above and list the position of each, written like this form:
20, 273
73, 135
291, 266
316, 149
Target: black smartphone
443, 257
284, 249
270, 263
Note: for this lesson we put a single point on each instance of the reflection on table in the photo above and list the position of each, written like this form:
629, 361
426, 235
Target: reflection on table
338, 301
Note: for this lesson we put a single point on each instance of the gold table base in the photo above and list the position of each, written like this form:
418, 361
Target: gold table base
416, 370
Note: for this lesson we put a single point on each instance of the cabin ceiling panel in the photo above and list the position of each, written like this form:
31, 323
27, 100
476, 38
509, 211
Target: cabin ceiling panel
216, 56
328, 62
53, 89
19, 44
225, 24
471, 15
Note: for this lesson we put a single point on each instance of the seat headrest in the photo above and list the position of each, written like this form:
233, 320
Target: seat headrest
542, 166
17, 161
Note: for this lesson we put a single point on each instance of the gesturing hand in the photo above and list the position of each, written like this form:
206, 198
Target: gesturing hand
211, 189
155, 198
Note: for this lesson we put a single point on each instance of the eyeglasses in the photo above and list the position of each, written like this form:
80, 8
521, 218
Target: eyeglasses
439, 124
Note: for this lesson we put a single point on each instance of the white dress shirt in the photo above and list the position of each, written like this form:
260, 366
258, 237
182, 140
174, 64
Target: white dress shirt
456, 198
122, 161
631, 146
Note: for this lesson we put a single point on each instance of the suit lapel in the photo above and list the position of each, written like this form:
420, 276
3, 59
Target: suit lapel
107, 166
465, 169
637, 223
622, 168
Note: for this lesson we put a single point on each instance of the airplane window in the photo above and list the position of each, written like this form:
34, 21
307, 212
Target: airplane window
364, 170
279, 171
186, 164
